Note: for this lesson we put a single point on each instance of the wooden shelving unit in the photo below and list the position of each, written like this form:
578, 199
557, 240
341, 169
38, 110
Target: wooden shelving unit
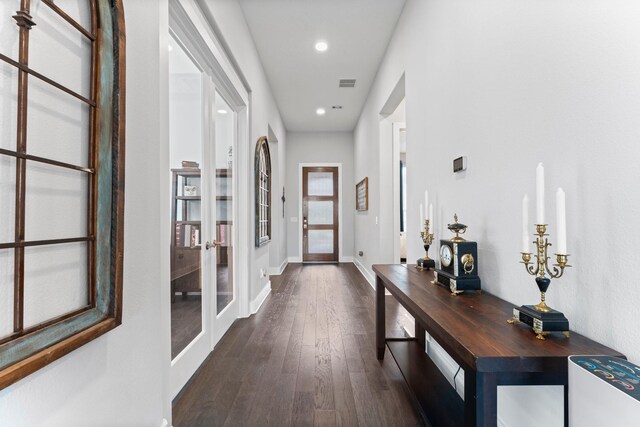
185, 233
223, 198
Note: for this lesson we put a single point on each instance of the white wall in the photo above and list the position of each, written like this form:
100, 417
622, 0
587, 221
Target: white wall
320, 147
120, 378
229, 23
510, 84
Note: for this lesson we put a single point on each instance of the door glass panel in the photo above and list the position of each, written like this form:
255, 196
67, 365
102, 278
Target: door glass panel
320, 241
320, 213
185, 127
320, 184
224, 138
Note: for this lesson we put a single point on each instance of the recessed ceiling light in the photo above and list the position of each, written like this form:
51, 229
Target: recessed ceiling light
170, 48
322, 46
320, 111
222, 111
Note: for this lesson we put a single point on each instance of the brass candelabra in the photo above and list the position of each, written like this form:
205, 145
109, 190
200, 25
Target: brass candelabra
425, 262
541, 267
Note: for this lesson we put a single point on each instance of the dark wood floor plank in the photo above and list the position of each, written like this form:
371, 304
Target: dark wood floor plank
303, 409
324, 418
323, 383
294, 345
306, 358
282, 406
306, 370
365, 405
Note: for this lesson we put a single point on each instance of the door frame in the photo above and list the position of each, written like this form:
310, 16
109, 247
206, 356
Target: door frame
340, 204
190, 27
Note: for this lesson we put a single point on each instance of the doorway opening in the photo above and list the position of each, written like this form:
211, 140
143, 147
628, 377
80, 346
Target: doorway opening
400, 139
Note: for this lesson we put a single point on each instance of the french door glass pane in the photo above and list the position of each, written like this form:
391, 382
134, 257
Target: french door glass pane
320, 212
185, 137
320, 184
224, 138
320, 241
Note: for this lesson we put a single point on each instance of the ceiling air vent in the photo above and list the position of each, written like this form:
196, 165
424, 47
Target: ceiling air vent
347, 82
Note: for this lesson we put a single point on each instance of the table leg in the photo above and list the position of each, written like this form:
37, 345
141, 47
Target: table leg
566, 405
380, 326
480, 399
420, 334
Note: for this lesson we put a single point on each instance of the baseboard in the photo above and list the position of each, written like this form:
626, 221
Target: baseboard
255, 305
276, 271
346, 259
294, 259
366, 273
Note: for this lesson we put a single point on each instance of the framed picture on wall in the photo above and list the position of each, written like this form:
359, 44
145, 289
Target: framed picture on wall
362, 195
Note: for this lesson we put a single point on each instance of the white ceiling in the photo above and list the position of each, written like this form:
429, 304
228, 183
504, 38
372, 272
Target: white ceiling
285, 33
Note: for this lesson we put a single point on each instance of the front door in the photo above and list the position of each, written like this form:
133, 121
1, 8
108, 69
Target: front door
320, 214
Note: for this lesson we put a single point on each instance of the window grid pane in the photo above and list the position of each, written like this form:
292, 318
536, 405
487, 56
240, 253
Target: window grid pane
17, 243
263, 198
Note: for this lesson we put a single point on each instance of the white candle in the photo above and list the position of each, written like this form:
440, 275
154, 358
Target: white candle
431, 219
525, 224
426, 199
421, 219
540, 194
561, 220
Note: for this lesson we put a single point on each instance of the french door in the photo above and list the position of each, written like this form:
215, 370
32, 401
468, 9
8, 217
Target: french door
203, 135
320, 214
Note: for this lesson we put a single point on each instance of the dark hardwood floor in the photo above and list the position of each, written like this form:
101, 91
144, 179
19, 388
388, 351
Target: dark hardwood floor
306, 358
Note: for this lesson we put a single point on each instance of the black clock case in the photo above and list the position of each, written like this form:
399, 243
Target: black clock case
455, 271
456, 283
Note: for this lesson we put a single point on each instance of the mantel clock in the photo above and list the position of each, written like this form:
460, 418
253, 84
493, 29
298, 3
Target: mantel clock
458, 262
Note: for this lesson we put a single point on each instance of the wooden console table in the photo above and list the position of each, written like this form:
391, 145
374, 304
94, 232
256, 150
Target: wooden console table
473, 329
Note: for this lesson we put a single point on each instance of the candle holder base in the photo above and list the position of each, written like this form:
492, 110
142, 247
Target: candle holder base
425, 263
542, 323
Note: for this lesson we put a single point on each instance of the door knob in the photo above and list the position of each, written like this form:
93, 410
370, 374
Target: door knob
213, 244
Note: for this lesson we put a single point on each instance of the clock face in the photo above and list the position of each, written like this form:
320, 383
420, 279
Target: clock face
445, 255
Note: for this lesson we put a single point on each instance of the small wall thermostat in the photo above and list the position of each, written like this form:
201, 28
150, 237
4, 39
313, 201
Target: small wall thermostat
460, 164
